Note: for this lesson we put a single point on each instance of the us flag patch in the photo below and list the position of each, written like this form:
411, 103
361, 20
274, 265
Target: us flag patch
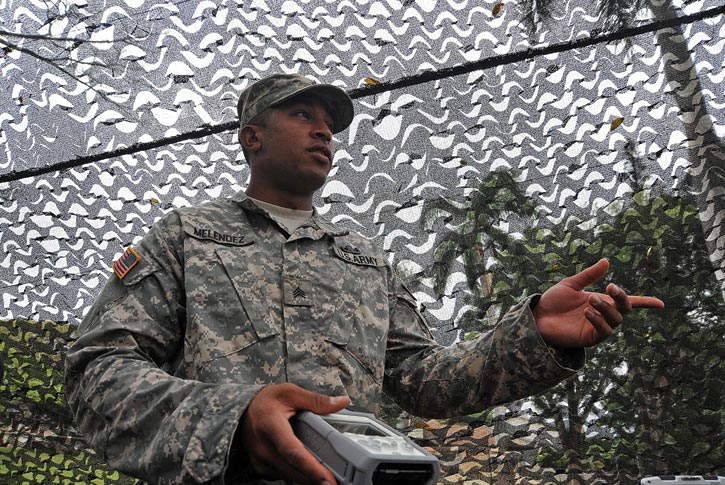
127, 261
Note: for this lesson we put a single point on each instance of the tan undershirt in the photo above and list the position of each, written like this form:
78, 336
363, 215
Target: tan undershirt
289, 219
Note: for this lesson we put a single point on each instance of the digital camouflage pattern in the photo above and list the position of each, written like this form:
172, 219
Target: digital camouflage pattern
278, 88
224, 302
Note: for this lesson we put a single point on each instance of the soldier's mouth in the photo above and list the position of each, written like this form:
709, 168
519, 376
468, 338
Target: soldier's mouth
322, 150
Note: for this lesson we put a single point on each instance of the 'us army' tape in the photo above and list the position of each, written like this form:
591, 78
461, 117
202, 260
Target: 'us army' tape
359, 258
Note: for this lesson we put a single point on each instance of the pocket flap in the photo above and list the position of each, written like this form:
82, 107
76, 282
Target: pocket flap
249, 288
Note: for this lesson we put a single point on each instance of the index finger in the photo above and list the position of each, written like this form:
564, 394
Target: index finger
588, 276
646, 302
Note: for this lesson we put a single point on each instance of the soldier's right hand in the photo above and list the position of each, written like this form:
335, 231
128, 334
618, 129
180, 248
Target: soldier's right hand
273, 449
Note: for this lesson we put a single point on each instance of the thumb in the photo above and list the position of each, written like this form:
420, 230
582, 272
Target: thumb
299, 398
331, 404
589, 276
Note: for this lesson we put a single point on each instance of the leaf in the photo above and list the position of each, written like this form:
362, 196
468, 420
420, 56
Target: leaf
154, 200
33, 382
371, 82
615, 123
497, 9
471, 335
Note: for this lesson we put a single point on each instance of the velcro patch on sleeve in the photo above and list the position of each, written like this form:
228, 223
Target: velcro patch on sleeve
128, 260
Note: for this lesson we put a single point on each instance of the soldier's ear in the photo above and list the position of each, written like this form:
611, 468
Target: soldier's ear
249, 138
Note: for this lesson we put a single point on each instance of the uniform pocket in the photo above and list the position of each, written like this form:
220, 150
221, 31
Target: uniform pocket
254, 286
228, 320
361, 330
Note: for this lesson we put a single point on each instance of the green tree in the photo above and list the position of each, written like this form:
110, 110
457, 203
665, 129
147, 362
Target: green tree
666, 409
705, 150
476, 239
650, 400
501, 269
654, 395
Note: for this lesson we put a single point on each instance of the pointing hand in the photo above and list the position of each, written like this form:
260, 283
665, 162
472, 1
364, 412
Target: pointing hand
567, 316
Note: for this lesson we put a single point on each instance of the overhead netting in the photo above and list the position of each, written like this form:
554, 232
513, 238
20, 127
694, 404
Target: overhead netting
489, 157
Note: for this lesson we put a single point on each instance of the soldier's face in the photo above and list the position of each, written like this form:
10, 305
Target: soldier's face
296, 148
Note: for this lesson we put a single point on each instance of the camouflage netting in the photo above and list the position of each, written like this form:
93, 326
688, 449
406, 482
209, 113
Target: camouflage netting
38, 443
494, 150
505, 445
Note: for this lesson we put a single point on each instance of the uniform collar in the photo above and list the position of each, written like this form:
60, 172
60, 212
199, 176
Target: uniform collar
315, 227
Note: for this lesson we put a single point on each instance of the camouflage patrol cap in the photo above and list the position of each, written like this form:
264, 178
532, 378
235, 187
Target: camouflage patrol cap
278, 88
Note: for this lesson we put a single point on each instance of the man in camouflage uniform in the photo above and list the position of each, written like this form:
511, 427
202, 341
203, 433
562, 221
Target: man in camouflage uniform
231, 316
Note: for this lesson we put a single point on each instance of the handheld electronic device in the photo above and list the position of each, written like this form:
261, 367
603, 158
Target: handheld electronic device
359, 449
683, 480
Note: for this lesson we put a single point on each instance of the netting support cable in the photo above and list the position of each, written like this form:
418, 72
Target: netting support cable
404, 82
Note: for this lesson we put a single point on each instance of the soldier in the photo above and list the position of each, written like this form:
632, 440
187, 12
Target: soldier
230, 317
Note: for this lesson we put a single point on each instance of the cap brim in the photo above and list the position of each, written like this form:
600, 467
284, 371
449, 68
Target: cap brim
341, 103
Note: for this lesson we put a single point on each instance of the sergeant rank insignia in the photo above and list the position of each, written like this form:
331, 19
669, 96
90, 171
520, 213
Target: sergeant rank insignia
128, 260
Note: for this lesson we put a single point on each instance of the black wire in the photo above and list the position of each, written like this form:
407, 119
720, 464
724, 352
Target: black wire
531, 53
407, 81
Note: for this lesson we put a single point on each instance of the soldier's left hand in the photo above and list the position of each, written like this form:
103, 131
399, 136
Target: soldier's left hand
569, 317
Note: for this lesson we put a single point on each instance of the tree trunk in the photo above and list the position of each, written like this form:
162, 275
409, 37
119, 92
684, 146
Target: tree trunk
706, 176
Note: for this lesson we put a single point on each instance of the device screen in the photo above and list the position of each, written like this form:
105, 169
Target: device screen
355, 428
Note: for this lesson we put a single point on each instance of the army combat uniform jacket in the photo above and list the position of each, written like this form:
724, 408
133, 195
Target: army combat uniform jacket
218, 301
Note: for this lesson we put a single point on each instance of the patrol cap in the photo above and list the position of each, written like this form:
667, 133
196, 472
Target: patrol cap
278, 88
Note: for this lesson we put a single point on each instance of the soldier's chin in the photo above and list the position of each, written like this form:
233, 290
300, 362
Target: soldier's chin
310, 184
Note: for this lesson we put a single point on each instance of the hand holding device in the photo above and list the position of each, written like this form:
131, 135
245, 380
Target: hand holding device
271, 446
359, 449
